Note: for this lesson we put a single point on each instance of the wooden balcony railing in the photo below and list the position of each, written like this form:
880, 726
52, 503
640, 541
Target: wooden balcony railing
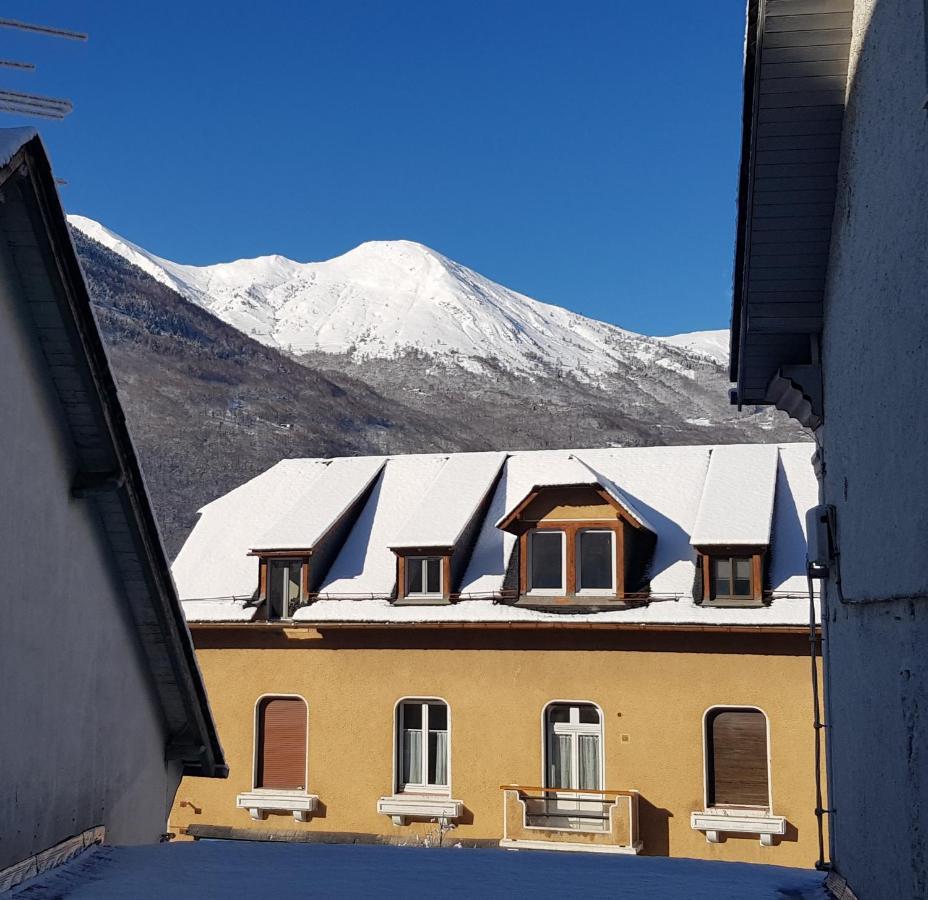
556, 819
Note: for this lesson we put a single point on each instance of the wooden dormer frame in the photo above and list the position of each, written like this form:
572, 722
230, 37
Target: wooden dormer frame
265, 556
512, 520
443, 553
757, 555
622, 522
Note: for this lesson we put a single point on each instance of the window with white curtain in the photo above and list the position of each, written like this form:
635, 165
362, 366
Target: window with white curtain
422, 751
574, 735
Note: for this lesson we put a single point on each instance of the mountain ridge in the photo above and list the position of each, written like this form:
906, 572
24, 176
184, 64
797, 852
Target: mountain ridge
383, 299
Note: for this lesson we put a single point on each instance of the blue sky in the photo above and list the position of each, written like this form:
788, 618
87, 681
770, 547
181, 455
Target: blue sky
582, 153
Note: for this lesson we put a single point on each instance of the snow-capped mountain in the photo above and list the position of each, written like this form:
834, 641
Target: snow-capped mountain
384, 299
713, 344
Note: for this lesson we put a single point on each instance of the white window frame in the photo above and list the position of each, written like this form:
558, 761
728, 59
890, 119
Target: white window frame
574, 729
270, 568
734, 707
423, 561
546, 592
594, 592
399, 787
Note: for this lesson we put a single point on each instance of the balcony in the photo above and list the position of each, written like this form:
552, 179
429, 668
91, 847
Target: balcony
554, 819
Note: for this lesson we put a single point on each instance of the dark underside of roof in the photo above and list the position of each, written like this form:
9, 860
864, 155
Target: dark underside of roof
795, 79
50, 286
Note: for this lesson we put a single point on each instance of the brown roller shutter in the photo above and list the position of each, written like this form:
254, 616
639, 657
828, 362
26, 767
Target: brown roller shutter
282, 743
737, 750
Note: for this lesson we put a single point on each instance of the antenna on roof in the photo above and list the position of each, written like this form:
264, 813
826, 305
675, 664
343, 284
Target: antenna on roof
23, 104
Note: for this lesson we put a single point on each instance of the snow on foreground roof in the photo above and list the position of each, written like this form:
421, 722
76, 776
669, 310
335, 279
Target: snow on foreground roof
669, 488
196, 870
12, 139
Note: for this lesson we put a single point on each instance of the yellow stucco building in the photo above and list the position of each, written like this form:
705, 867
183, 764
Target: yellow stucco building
602, 650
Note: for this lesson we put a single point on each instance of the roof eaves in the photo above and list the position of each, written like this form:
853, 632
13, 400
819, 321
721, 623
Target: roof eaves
200, 751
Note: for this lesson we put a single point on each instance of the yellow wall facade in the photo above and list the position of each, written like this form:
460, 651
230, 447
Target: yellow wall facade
653, 689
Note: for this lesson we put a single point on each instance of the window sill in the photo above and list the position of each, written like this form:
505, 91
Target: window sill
262, 801
402, 807
716, 822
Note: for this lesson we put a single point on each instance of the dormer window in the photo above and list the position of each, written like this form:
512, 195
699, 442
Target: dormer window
547, 558
423, 576
595, 561
732, 578
284, 587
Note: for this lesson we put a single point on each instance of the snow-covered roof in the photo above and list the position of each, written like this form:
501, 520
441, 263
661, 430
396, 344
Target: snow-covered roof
429, 499
320, 503
737, 498
450, 502
214, 561
570, 471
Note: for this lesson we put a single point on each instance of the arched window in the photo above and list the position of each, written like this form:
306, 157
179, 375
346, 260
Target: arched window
573, 746
423, 748
736, 758
281, 743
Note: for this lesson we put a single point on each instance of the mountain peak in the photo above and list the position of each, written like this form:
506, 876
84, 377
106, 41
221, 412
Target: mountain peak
389, 298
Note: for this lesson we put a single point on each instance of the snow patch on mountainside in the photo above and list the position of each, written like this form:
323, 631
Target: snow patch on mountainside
713, 344
389, 298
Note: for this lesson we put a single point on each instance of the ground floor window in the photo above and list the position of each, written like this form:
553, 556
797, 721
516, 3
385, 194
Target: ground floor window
574, 734
737, 771
423, 750
281, 743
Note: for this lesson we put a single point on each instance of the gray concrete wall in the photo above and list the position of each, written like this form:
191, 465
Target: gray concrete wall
81, 735
875, 452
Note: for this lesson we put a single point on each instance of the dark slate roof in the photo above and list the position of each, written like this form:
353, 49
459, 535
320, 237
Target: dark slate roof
795, 78
51, 288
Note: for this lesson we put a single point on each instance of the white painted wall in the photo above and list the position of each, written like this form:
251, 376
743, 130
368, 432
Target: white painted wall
875, 452
81, 735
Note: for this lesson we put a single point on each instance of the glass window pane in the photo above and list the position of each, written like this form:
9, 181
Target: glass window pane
412, 756
438, 757
558, 713
742, 579
721, 570
547, 561
438, 717
589, 762
596, 569
559, 769
412, 715
589, 715
413, 575
274, 590
294, 571
433, 576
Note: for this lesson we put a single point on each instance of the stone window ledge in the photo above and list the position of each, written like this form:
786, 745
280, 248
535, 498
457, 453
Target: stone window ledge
260, 802
716, 822
404, 807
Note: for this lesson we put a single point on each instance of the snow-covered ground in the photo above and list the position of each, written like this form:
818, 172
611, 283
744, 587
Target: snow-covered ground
387, 298
232, 870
